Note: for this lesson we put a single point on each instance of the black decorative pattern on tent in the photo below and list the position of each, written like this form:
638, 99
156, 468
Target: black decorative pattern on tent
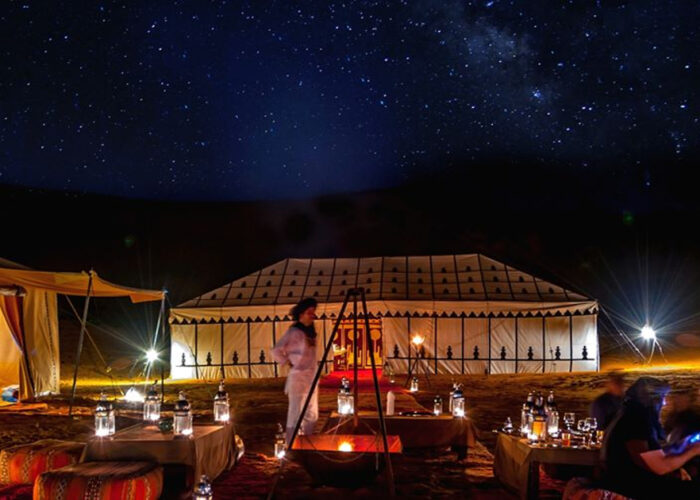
465, 277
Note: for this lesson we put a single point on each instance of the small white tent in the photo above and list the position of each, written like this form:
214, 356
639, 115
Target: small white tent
478, 316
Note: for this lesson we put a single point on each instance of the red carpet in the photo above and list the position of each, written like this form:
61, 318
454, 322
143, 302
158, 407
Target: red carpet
365, 381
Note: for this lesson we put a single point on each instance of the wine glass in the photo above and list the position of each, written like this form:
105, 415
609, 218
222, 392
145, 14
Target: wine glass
569, 420
582, 426
592, 425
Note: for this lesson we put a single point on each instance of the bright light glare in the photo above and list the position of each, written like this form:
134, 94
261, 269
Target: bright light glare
345, 446
133, 396
151, 355
417, 339
648, 333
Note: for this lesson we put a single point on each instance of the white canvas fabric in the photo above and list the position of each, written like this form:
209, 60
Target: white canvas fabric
469, 307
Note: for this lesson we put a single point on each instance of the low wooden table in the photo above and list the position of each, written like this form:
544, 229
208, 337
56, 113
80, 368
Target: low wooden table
415, 432
516, 464
210, 450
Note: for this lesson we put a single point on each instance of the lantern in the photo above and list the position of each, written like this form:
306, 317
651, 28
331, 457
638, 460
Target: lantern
280, 442
151, 406
437, 405
414, 384
203, 490
552, 415
553, 423
458, 403
525, 420
452, 394
182, 417
346, 401
221, 406
539, 420
104, 417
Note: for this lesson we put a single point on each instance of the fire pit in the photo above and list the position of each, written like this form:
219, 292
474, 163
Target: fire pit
343, 459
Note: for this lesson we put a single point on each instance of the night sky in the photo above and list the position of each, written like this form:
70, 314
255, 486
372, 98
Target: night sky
205, 100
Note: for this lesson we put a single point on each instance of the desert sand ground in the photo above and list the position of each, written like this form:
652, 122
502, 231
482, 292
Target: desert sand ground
258, 405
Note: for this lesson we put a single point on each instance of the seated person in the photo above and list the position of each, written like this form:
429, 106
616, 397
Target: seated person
635, 464
683, 420
605, 407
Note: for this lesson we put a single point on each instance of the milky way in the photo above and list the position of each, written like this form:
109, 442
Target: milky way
230, 100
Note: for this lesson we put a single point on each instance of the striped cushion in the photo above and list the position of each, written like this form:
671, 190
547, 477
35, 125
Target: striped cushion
23, 463
16, 492
101, 481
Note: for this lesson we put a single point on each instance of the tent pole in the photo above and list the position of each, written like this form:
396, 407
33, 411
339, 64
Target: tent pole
83, 322
380, 411
355, 360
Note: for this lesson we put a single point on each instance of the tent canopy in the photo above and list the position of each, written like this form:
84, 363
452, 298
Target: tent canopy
438, 284
68, 283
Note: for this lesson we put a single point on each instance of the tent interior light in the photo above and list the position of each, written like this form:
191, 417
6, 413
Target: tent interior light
417, 339
648, 333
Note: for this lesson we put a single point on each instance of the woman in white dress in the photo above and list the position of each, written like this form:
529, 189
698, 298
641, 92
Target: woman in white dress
297, 347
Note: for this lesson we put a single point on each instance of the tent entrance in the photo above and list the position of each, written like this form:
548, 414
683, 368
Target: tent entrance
344, 358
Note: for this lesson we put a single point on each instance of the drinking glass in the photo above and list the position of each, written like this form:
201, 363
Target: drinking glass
592, 423
582, 426
569, 420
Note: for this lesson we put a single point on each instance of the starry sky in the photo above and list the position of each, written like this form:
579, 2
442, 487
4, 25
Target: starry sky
217, 100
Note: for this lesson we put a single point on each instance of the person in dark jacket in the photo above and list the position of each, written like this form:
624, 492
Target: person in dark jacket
635, 464
605, 407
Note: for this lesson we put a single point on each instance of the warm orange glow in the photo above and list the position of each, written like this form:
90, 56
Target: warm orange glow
417, 339
345, 446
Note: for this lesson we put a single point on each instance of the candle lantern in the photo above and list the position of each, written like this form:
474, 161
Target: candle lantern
221, 406
203, 490
452, 395
458, 403
346, 401
182, 417
525, 420
104, 417
151, 406
280, 442
553, 423
539, 420
414, 384
552, 415
437, 405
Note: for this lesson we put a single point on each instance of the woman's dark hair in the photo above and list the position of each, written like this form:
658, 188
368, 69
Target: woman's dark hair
646, 396
648, 392
302, 306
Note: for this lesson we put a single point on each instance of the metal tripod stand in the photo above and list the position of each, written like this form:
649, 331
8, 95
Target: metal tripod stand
354, 295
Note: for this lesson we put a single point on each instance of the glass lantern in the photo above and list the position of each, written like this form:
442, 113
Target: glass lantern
346, 401
553, 423
437, 405
280, 442
539, 428
458, 404
452, 394
104, 417
182, 417
203, 490
151, 405
221, 406
414, 384
525, 420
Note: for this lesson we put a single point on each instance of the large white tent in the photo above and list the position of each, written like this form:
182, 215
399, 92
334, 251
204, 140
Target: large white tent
478, 316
